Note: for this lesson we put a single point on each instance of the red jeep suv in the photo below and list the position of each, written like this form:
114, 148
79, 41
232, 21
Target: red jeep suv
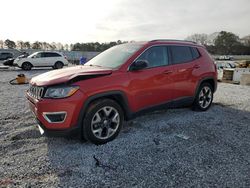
119, 83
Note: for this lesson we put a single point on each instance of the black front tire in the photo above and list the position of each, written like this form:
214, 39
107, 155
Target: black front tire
204, 97
94, 108
26, 66
58, 65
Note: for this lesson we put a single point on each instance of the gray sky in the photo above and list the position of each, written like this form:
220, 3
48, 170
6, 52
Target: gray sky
70, 21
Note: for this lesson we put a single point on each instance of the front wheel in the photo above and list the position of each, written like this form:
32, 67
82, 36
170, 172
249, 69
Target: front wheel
103, 121
204, 97
58, 65
26, 66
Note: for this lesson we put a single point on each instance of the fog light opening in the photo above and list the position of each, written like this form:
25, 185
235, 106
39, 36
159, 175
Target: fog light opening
55, 117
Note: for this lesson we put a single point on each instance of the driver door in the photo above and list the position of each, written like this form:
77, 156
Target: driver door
152, 85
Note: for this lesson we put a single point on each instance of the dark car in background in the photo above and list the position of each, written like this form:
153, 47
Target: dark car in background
10, 61
5, 55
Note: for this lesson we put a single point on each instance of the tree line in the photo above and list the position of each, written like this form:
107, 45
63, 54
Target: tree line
95, 46
21, 45
91, 46
221, 43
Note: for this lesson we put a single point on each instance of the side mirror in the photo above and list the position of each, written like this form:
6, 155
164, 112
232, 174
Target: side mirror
138, 65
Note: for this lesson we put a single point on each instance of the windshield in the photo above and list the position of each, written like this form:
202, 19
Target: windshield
34, 54
115, 56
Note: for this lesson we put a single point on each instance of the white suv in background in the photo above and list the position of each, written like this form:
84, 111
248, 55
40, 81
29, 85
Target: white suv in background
55, 60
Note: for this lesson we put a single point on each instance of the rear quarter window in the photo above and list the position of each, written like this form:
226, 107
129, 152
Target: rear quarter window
195, 52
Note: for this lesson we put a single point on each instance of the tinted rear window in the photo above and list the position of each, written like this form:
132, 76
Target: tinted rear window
181, 54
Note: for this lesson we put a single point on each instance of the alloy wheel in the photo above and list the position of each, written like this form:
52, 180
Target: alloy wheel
26, 66
205, 97
105, 122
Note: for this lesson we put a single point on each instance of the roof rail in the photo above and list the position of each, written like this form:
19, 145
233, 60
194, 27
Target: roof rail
172, 40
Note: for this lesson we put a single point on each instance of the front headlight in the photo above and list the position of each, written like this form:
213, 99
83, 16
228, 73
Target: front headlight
60, 92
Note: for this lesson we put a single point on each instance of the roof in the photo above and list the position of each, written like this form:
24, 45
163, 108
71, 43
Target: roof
166, 41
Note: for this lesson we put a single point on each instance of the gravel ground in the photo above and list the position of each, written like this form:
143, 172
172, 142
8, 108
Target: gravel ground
169, 148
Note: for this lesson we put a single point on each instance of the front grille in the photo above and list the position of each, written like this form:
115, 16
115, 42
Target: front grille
36, 92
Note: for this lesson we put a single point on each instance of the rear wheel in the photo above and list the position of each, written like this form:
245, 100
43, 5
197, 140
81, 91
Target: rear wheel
204, 97
26, 66
103, 121
58, 65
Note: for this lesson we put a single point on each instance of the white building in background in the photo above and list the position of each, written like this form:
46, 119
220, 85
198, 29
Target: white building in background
245, 40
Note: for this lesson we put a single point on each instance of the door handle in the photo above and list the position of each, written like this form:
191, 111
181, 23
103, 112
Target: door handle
196, 66
167, 72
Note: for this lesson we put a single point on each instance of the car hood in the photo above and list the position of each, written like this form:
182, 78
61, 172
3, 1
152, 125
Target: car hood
68, 74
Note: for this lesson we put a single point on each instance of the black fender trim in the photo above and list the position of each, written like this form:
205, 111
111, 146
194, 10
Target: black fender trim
117, 95
204, 79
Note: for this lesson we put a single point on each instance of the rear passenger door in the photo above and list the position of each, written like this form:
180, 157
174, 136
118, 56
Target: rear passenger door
42, 60
53, 58
48, 59
184, 61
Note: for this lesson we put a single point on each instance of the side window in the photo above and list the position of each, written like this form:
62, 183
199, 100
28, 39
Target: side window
1, 57
46, 54
39, 55
51, 54
8, 55
43, 54
55, 55
195, 53
181, 54
4, 56
156, 56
